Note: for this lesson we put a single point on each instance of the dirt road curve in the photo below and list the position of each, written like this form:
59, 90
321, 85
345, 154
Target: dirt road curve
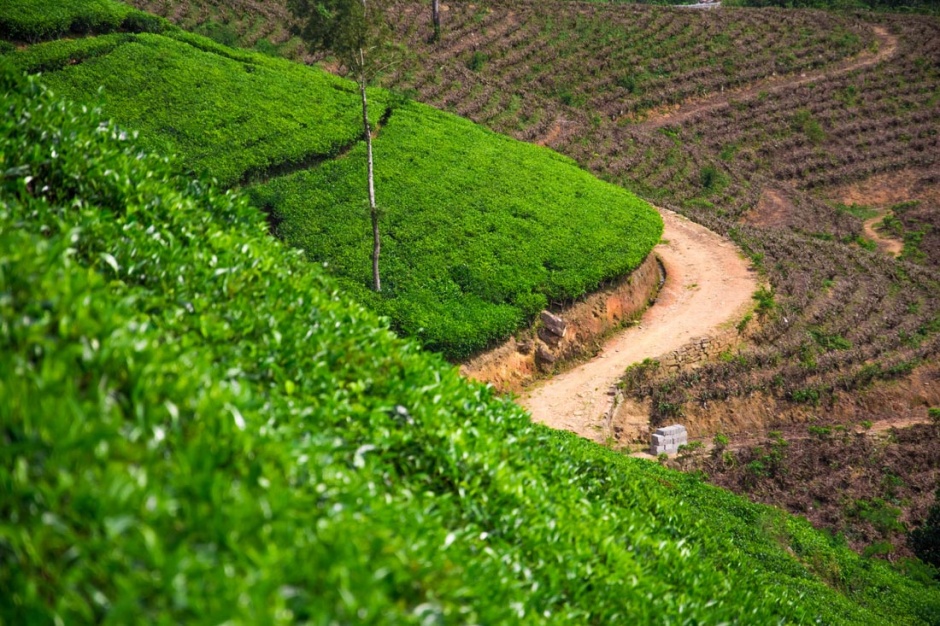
708, 285
887, 47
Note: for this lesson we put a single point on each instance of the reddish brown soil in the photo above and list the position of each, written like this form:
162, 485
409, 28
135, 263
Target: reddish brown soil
888, 245
538, 352
889, 188
883, 191
708, 285
774, 209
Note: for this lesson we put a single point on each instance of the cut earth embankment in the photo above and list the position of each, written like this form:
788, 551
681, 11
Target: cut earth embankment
709, 285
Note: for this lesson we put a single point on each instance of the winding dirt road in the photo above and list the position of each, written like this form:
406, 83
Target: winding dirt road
708, 285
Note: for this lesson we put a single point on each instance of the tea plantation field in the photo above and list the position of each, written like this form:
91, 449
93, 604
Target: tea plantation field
480, 232
471, 251
197, 426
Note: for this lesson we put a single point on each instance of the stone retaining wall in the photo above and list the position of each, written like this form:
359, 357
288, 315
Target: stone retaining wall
628, 420
699, 350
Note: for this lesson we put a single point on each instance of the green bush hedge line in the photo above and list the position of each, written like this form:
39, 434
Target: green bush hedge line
228, 115
56, 55
480, 232
34, 20
197, 428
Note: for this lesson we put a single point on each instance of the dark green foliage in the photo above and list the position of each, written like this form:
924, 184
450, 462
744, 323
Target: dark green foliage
879, 548
880, 514
477, 62
354, 30
803, 121
480, 231
934, 414
196, 429
829, 342
925, 540
712, 179
765, 301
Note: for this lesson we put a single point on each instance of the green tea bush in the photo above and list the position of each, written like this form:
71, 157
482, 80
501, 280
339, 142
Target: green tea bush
32, 20
232, 115
55, 55
480, 232
925, 540
197, 428
934, 414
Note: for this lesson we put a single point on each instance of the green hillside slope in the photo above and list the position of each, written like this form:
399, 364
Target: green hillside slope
196, 428
480, 232
229, 113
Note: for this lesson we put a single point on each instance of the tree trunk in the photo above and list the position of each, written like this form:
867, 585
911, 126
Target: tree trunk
436, 17
373, 211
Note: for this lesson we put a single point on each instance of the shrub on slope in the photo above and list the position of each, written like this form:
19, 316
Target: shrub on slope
28, 20
195, 428
480, 231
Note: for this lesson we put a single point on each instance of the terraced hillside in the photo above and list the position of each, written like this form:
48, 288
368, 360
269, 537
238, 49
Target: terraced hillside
845, 315
813, 146
471, 253
753, 158
517, 66
196, 426
748, 127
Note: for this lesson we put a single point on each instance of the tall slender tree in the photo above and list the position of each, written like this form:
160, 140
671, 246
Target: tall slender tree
436, 18
357, 33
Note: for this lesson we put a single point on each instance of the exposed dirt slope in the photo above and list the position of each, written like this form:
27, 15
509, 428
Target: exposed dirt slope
708, 285
888, 245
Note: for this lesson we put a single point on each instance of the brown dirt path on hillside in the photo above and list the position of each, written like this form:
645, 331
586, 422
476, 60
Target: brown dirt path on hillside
708, 285
666, 116
888, 245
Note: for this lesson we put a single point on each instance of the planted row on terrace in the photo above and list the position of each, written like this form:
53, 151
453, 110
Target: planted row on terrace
615, 60
27, 20
233, 114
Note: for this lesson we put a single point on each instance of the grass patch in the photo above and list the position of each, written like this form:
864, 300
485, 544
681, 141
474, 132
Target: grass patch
860, 211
